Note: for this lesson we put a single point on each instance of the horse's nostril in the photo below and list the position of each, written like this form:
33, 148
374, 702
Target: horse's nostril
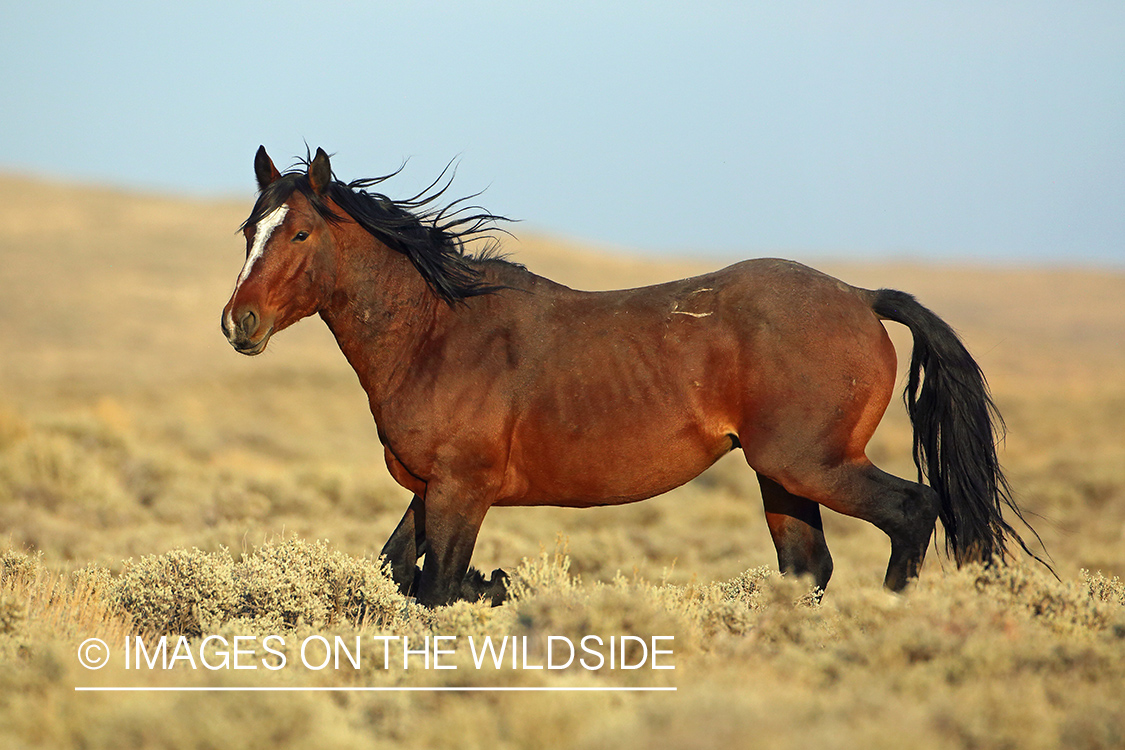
248, 323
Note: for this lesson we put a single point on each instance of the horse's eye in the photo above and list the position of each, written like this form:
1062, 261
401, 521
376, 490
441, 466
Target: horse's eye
301, 236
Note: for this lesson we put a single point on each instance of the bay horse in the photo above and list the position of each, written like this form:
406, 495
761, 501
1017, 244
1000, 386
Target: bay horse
492, 386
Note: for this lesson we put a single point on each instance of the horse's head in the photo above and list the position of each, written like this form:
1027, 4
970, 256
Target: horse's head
290, 264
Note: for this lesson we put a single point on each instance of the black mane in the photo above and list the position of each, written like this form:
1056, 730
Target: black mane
433, 238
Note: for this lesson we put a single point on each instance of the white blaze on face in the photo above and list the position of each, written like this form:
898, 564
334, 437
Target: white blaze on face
262, 232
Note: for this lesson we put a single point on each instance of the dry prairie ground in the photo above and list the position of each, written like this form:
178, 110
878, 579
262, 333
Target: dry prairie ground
130, 431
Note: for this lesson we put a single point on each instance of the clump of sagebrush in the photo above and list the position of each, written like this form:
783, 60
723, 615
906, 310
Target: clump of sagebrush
298, 582
38, 606
277, 586
1104, 589
19, 568
548, 571
182, 591
92, 579
1064, 606
18, 572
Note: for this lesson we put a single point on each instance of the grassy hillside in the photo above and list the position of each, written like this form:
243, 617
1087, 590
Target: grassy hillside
153, 482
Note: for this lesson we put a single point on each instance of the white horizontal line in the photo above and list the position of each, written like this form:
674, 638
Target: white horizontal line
186, 689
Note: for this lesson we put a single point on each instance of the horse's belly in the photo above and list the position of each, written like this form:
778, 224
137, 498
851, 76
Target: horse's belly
584, 472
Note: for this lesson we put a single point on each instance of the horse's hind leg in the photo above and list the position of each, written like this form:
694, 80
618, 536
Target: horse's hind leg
797, 532
406, 545
905, 511
912, 511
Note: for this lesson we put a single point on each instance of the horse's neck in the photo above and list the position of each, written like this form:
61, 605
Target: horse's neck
380, 311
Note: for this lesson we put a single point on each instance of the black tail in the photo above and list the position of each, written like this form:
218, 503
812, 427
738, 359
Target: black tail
956, 428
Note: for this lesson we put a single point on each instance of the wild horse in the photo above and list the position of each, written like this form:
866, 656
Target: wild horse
490, 385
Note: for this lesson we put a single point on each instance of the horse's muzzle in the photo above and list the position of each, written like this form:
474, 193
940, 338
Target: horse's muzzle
244, 334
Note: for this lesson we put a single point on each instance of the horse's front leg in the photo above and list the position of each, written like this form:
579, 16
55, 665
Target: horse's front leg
406, 545
452, 521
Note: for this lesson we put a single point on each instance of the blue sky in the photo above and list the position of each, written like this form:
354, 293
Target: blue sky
990, 131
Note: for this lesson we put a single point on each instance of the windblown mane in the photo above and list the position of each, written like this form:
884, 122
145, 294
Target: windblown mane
434, 238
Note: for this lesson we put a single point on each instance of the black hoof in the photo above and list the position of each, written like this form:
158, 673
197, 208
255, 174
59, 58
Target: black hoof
475, 587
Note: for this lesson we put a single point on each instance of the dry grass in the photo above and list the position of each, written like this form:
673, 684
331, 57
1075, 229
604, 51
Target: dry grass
152, 482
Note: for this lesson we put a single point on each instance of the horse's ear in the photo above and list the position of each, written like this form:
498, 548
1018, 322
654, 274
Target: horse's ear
264, 169
320, 172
